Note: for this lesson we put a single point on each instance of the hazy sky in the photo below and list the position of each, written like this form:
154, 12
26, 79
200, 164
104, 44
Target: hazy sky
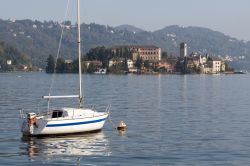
231, 17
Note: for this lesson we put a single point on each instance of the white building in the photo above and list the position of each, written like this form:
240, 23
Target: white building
203, 60
68, 61
9, 62
130, 63
115, 61
215, 65
112, 62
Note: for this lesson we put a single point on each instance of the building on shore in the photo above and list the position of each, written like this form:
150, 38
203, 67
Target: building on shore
183, 50
97, 64
165, 65
198, 63
9, 62
68, 61
116, 61
120, 61
214, 64
149, 53
130, 63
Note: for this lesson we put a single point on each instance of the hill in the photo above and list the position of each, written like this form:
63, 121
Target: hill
129, 28
39, 39
16, 59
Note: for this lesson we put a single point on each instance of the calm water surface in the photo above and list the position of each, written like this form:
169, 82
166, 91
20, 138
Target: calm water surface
171, 119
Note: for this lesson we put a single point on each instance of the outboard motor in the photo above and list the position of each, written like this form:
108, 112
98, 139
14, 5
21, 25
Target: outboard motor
29, 124
32, 119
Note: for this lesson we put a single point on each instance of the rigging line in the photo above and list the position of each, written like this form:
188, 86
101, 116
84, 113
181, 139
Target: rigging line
59, 47
111, 122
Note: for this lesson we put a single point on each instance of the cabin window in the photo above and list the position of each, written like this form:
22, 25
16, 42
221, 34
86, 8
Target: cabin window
57, 114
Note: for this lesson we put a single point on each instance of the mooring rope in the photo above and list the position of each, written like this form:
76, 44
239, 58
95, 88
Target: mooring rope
111, 122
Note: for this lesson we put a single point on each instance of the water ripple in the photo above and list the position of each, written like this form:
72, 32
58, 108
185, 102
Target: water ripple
172, 120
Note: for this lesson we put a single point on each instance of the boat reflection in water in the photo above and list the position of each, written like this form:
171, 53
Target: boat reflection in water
93, 144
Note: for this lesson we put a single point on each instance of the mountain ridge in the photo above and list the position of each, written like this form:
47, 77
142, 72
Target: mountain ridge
39, 39
130, 28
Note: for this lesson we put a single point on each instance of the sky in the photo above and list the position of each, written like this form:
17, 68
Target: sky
231, 17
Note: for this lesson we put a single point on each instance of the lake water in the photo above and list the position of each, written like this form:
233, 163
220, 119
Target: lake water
172, 120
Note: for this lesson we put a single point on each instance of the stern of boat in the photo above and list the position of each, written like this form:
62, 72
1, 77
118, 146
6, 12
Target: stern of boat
32, 124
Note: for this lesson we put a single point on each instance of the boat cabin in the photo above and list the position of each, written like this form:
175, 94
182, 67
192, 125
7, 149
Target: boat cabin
59, 114
70, 112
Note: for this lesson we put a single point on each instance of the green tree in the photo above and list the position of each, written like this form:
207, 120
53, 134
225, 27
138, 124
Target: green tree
60, 66
75, 66
50, 64
164, 55
227, 67
139, 63
147, 64
91, 68
101, 54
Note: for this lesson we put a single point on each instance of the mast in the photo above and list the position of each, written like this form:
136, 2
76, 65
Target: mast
79, 53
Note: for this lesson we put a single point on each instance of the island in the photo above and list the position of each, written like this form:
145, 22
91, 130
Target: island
140, 59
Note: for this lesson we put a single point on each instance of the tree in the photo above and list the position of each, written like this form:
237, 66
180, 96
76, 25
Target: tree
91, 68
101, 54
60, 66
125, 65
227, 67
164, 55
147, 64
50, 64
139, 63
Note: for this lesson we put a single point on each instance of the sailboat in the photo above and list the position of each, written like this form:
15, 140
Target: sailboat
65, 120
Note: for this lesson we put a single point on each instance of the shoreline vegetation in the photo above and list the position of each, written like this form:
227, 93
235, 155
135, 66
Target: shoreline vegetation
145, 73
11, 59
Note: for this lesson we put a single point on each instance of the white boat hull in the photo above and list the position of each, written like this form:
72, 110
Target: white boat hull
74, 126
62, 126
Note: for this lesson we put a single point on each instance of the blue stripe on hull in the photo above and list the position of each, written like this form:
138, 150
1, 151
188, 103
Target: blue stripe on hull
76, 123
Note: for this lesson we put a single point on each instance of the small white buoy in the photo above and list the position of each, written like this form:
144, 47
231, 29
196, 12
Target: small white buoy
121, 126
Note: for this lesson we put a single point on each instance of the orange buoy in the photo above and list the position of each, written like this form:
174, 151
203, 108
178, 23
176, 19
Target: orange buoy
121, 126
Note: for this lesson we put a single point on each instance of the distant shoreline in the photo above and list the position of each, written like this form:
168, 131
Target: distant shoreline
175, 73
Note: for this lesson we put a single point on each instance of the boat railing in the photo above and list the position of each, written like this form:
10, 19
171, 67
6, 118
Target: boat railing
93, 108
21, 113
108, 108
